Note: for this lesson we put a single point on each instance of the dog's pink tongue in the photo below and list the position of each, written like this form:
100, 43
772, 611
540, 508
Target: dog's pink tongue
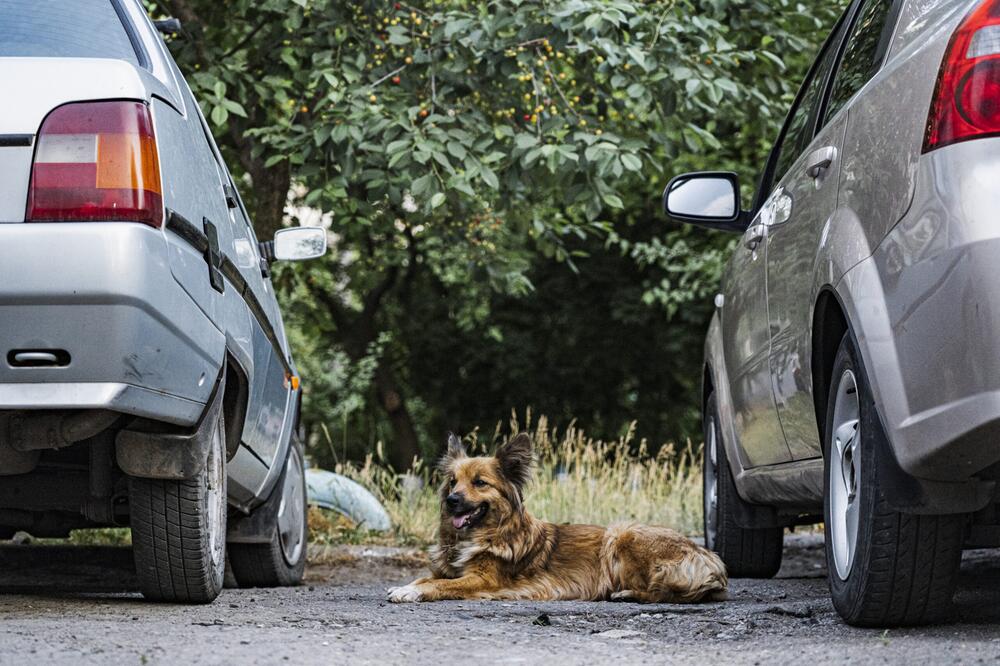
458, 521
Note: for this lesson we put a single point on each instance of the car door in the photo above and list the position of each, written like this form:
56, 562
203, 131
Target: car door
746, 348
265, 426
808, 184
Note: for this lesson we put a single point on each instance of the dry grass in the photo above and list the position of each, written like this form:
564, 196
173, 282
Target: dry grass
577, 480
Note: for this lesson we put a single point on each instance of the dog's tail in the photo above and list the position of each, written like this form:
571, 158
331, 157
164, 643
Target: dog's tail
699, 576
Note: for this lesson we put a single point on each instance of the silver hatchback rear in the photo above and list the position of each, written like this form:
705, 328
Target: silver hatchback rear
145, 377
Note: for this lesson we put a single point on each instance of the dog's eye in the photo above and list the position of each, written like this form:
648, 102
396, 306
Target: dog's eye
451, 482
479, 483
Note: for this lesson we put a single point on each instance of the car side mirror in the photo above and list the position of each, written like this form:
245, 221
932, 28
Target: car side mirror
708, 199
299, 243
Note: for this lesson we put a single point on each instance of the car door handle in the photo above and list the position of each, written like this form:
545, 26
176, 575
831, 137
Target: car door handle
754, 235
820, 160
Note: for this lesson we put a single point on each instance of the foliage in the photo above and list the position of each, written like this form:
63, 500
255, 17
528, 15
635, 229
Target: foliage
459, 149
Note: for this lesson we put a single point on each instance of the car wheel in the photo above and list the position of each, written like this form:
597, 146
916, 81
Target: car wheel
746, 552
885, 568
179, 531
282, 561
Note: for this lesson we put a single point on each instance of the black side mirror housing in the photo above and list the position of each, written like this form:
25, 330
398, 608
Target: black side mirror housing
709, 199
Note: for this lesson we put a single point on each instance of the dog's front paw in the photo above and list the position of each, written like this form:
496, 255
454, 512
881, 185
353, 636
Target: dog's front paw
404, 594
623, 595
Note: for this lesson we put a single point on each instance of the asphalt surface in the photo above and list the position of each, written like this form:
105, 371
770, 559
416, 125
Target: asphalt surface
78, 606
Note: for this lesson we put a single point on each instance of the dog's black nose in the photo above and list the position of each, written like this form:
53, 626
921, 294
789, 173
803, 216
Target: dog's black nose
454, 500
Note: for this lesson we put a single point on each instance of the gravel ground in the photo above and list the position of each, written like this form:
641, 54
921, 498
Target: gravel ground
60, 605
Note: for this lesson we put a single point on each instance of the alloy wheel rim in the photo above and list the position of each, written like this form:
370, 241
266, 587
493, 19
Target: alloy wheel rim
845, 474
711, 489
291, 511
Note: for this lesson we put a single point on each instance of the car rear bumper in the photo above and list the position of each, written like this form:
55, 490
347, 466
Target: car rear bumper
104, 294
926, 311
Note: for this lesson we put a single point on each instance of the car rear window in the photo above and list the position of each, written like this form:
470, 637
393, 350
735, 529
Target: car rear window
61, 29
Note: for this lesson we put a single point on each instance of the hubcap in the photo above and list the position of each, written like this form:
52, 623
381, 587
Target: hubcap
711, 490
845, 474
216, 500
292, 510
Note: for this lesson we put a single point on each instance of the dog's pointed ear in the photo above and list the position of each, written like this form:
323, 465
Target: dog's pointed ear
455, 451
455, 447
515, 459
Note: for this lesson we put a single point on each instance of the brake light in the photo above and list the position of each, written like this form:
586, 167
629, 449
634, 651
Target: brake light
96, 161
966, 103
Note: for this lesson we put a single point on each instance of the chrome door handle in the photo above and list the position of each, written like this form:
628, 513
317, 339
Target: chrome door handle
754, 235
820, 160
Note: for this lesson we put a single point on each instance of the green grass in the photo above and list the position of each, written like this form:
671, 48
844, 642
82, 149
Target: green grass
577, 480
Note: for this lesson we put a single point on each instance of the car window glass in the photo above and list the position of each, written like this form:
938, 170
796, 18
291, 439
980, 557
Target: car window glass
56, 29
860, 60
800, 127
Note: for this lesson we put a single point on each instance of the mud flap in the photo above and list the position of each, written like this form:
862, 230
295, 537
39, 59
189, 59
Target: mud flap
155, 451
259, 525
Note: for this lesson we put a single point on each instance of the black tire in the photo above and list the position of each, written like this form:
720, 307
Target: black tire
278, 563
746, 552
904, 567
179, 531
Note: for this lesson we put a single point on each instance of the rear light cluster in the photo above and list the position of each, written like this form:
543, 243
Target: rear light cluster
96, 162
966, 102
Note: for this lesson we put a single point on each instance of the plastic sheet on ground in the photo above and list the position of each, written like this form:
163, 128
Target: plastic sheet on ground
336, 492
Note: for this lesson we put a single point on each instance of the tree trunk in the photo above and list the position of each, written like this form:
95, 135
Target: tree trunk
270, 190
405, 446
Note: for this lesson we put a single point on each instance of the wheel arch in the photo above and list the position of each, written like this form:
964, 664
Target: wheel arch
830, 324
234, 403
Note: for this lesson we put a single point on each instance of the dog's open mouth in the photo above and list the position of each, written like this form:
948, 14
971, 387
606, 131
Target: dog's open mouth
469, 519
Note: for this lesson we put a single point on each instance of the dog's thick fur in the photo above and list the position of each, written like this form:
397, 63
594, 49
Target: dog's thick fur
490, 547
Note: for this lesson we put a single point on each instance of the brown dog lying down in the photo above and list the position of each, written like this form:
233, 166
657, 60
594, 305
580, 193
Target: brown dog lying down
491, 548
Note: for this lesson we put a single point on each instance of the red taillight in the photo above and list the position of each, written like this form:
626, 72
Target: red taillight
966, 102
96, 161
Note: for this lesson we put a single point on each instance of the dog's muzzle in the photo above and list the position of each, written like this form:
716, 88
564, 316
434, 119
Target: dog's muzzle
464, 514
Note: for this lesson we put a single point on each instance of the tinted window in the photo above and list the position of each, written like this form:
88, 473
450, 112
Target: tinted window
861, 55
56, 28
800, 126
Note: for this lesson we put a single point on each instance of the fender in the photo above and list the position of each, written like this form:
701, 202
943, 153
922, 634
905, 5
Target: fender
903, 491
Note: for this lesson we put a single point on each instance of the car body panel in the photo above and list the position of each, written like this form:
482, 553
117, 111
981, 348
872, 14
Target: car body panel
745, 355
109, 288
791, 255
927, 312
918, 18
888, 117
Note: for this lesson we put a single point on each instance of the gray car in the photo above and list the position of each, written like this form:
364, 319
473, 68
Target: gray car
852, 373
145, 376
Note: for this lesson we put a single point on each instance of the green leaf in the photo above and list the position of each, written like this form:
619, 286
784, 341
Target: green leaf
219, 115
613, 200
631, 162
437, 200
234, 108
525, 140
422, 184
397, 146
457, 149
